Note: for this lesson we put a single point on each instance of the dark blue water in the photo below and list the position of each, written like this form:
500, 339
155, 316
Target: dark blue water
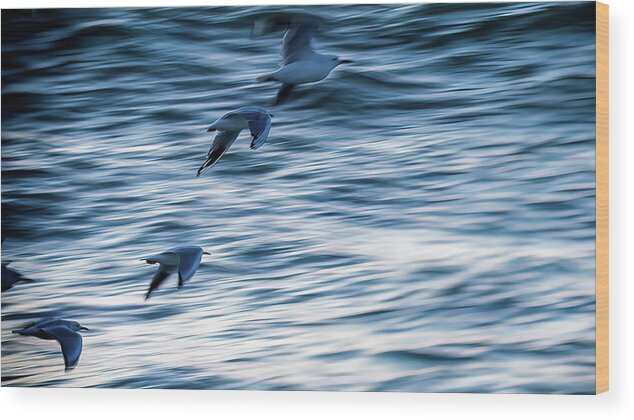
422, 220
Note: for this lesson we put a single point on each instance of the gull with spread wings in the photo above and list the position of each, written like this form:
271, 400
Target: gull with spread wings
229, 126
183, 260
300, 63
64, 331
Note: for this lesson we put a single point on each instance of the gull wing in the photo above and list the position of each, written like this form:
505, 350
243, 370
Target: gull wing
260, 130
297, 42
222, 142
259, 124
157, 280
169, 262
190, 257
284, 92
10, 277
70, 342
300, 29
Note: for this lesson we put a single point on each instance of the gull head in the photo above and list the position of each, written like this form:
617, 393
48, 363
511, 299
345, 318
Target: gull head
76, 326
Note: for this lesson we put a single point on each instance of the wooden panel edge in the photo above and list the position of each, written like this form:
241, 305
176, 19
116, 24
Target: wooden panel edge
602, 199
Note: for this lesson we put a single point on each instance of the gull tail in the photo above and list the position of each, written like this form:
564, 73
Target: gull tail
265, 78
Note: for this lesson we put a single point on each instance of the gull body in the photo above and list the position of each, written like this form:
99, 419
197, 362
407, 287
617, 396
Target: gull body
300, 63
231, 121
308, 70
64, 331
229, 126
183, 260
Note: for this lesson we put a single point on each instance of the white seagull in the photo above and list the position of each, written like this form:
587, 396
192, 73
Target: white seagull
300, 63
62, 330
229, 126
183, 260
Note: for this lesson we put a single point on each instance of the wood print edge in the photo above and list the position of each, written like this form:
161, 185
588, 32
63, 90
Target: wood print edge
602, 198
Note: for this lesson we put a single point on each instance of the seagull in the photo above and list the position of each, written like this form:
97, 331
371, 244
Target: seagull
229, 126
300, 63
10, 277
62, 330
184, 260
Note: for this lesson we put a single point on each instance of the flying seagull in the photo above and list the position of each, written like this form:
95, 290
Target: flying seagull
229, 126
300, 63
183, 260
10, 277
62, 330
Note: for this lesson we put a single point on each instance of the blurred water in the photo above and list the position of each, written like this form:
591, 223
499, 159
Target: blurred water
423, 220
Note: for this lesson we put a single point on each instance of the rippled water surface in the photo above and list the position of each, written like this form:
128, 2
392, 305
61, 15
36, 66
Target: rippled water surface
422, 220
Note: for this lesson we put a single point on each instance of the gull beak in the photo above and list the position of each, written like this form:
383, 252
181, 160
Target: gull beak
206, 253
210, 129
271, 115
82, 328
346, 61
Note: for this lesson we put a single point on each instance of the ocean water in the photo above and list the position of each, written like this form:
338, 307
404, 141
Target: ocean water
423, 220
